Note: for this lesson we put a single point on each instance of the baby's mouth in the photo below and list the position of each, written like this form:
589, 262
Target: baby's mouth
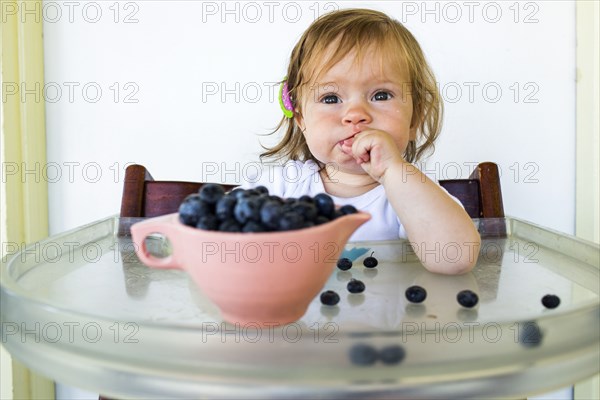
346, 145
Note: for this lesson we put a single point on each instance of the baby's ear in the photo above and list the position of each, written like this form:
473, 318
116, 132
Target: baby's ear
299, 121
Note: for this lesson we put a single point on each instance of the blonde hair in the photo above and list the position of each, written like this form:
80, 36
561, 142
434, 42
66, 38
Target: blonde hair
359, 30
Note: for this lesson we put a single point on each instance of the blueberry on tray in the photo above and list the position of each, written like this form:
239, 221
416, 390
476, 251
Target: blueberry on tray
551, 301
370, 262
344, 264
330, 298
467, 298
355, 286
416, 294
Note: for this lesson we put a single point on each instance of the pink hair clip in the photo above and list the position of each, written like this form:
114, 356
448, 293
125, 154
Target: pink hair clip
284, 100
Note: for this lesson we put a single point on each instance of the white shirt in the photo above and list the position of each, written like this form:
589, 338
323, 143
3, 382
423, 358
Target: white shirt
297, 178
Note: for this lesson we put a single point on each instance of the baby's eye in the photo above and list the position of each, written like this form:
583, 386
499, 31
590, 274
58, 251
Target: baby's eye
382, 96
330, 99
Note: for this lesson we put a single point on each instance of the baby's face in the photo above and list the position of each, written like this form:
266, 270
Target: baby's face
352, 97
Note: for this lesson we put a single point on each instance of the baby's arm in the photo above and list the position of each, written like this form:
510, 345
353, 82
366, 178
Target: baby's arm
440, 230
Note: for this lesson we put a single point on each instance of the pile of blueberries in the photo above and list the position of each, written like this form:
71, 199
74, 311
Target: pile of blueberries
254, 210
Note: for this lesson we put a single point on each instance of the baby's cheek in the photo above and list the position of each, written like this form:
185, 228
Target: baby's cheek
401, 145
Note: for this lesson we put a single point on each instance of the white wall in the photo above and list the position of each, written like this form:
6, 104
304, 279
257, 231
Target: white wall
185, 87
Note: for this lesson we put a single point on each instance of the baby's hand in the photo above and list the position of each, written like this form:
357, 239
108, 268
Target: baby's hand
376, 151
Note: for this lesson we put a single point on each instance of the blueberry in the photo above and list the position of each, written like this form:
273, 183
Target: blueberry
224, 207
275, 199
363, 354
348, 209
325, 205
416, 294
344, 264
306, 199
285, 208
260, 200
262, 190
551, 301
270, 214
191, 209
530, 334
238, 193
230, 225
370, 262
247, 209
252, 192
392, 354
208, 222
330, 298
355, 286
307, 210
467, 298
290, 221
253, 226
211, 192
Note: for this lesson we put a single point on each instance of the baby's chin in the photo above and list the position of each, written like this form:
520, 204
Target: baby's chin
348, 166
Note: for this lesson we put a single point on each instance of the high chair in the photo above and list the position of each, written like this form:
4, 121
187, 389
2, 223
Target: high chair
144, 197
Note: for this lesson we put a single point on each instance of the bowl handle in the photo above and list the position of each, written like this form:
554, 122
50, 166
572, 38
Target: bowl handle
163, 226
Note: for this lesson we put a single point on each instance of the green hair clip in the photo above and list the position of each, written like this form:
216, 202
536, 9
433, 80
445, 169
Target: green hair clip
284, 100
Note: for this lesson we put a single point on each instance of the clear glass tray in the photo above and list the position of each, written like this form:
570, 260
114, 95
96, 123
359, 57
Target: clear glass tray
81, 309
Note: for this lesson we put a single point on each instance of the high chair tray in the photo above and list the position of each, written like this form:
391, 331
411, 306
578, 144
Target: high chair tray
81, 309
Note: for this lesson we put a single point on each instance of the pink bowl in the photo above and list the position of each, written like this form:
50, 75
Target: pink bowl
259, 278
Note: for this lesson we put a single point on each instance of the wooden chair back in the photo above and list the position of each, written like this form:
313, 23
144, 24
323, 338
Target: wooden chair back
480, 194
143, 197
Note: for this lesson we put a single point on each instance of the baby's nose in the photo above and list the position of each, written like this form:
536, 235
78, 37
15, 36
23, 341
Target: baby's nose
357, 114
